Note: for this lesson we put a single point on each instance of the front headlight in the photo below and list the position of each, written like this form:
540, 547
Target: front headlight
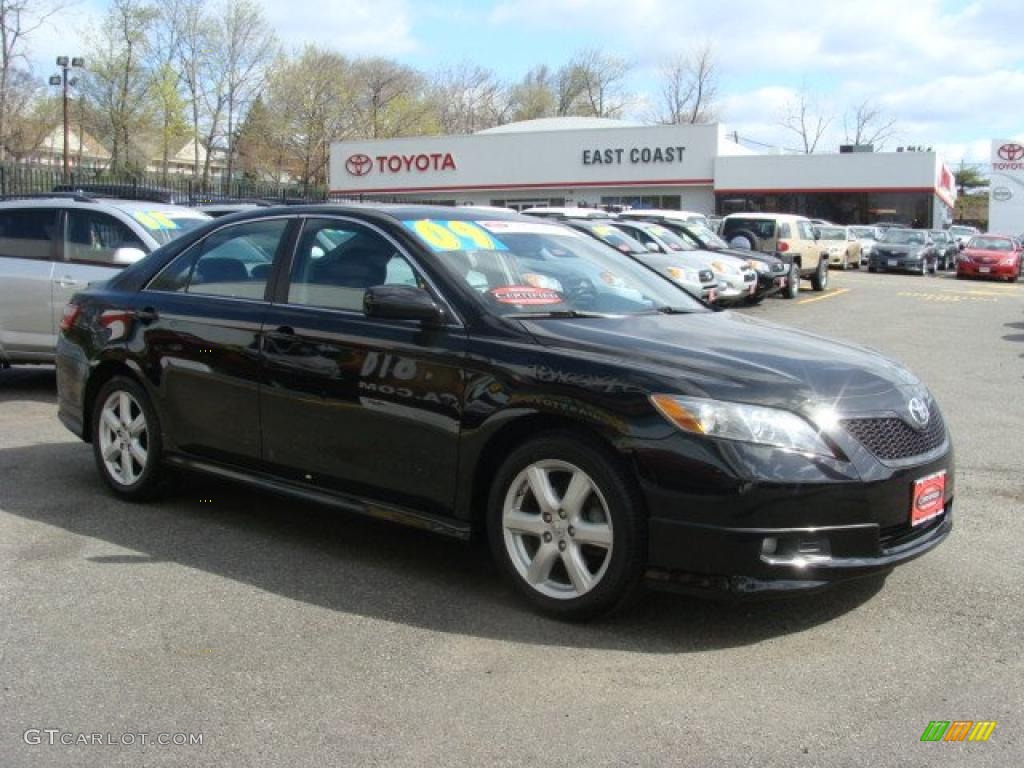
683, 275
1008, 261
738, 421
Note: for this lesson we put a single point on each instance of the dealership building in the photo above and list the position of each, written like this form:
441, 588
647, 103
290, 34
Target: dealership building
576, 161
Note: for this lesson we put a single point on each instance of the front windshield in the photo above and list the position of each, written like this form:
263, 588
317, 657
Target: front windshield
540, 268
832, 233
617, 239
963, 230
668, 237
990, 244
905, 237
864, 233
166, 225
707, 236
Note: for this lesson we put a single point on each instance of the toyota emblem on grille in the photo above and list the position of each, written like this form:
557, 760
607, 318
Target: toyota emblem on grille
919, 411
359, 165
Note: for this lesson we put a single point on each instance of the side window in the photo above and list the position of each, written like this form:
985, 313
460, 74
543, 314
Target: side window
233, 262
785, 233
336, 261
643, 236
94, 237
28, 233
806, 230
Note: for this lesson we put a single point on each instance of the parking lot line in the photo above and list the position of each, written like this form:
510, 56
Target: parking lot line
836, 292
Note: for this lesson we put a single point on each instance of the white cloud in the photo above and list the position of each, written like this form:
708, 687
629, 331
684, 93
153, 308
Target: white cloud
350, 27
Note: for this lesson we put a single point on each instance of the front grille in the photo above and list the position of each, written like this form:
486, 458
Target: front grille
749, 277
891, 438
780, 267
706, 275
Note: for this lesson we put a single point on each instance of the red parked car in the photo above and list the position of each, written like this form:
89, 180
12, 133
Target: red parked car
990, 256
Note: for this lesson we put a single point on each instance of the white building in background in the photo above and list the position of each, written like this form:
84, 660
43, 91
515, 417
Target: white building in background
85, 151
592, 161
1006, 188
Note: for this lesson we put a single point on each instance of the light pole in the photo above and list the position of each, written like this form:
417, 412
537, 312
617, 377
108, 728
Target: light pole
66, 66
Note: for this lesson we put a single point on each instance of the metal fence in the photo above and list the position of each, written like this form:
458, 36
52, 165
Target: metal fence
20, 180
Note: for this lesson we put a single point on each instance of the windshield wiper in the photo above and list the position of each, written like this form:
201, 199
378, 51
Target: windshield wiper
559, 313
667, 310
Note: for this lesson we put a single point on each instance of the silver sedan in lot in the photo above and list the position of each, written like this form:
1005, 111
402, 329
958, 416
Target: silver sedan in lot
52, 247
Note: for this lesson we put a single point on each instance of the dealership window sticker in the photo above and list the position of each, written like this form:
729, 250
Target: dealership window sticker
457, 235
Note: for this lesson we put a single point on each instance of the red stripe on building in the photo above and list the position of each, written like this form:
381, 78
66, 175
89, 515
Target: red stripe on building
546, 185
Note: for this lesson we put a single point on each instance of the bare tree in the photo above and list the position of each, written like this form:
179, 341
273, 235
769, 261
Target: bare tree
804, 116
388, 99
599, 79
534, 96
689, 86
468, 98
249, 47
18, 20
117, 81
192, 37
309, 97
866, 123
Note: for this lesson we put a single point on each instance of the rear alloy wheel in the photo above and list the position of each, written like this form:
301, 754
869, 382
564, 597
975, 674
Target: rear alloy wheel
126, 439
566, 525
819, 280
793, 282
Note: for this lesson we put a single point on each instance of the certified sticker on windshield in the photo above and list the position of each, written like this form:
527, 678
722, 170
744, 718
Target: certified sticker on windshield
155, 220
527, 228
454, 235
525, 295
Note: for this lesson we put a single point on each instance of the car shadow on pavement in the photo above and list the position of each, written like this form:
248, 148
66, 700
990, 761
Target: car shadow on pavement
32, 383
1019, 337
359, 566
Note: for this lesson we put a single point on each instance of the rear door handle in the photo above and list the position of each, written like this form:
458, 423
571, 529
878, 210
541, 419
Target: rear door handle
147, 315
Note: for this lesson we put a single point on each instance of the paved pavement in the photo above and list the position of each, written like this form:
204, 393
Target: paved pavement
289, 636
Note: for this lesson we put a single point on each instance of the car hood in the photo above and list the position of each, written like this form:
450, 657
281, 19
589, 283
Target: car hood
899, 248
975, 252
727, 356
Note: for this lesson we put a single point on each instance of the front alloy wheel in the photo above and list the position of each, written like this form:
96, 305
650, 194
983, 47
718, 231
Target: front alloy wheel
557, 529
566, 524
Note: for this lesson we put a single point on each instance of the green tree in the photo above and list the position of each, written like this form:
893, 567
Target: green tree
169, 106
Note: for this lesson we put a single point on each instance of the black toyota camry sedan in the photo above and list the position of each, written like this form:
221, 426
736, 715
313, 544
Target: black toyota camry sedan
472, 371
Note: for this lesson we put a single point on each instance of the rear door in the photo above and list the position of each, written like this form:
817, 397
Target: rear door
367, 406
809, 248
203, 315
28, 249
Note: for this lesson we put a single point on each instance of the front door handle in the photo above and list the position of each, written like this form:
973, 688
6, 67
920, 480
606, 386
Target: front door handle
147, 315
68, 282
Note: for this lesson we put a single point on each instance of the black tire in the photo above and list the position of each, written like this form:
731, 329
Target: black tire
623, 575
148, 484
872, 269
793, 282
924, 268
819, 280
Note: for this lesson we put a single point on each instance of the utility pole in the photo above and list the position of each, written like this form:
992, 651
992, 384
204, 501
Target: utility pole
62, 79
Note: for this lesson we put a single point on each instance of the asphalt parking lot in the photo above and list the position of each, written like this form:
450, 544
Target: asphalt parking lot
292, 636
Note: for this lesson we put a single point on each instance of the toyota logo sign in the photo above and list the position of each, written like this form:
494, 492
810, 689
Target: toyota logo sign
1011, 152
919, 411
359, 165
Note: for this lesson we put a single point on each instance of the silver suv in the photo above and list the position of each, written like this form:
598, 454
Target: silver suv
51, 247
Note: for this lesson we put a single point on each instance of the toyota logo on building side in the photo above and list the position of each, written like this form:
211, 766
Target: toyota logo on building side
919, 411
359, 165
1011, 152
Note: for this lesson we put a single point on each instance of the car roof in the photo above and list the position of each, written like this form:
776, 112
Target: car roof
767, 216
666, 213
127, 206
576, 213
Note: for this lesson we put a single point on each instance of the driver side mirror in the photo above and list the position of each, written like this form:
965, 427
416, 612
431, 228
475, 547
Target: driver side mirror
960, 244
654, 248
124, 256
402, 302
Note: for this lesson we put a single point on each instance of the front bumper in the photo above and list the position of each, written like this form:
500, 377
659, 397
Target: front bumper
818, 525
971, 269
904, 263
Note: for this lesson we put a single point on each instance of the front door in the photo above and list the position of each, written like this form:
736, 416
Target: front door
365, 406
204, 314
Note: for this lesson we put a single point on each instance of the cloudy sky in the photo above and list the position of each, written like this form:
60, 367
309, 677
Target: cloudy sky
952, 73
